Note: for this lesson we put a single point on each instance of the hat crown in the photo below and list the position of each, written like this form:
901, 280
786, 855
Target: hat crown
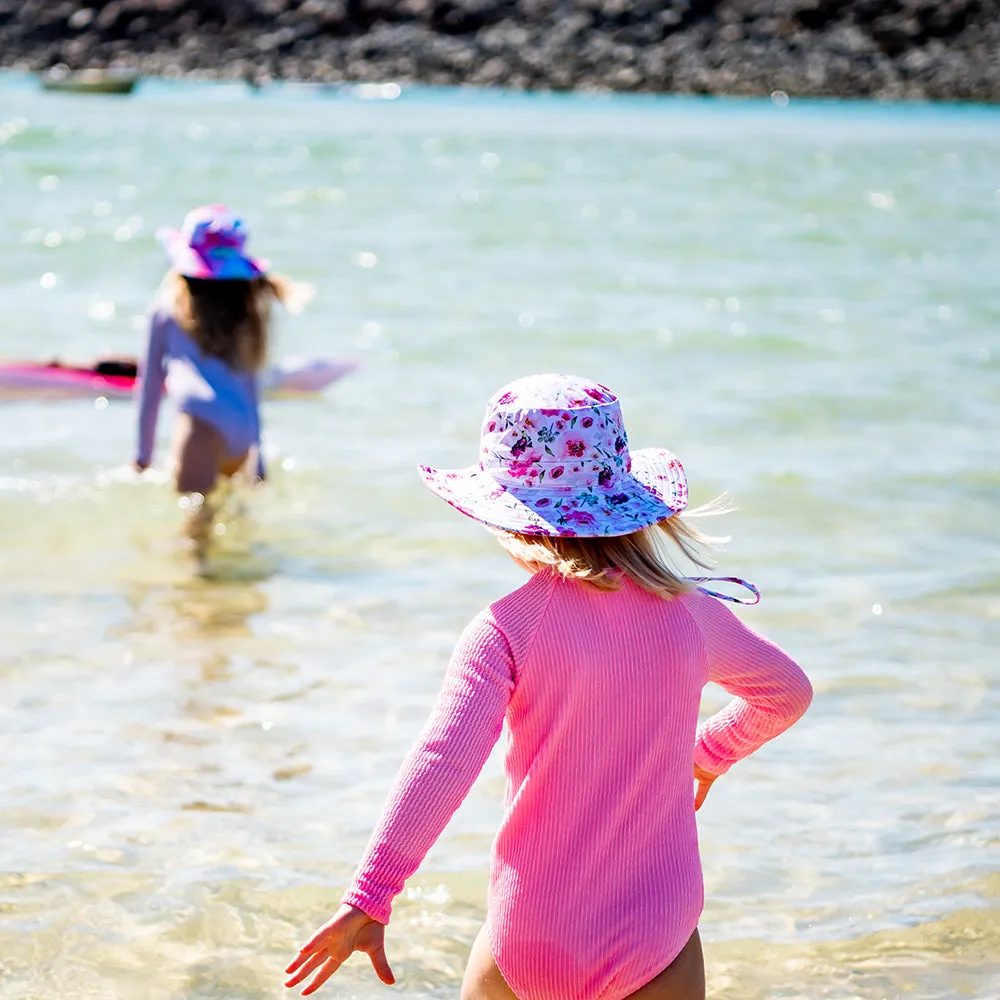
554, 431
214, 227
554, 460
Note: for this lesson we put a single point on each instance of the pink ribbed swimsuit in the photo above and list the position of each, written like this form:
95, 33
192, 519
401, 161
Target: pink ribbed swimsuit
596, 881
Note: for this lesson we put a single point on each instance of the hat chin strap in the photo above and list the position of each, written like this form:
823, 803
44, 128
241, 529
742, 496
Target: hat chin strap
755, 599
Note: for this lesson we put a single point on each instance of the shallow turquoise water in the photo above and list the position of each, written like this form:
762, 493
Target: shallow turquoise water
801, 302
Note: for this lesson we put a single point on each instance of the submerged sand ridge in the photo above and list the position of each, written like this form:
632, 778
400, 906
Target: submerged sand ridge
877, 48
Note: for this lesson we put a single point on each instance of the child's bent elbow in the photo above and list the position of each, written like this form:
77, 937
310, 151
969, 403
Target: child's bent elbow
800, 697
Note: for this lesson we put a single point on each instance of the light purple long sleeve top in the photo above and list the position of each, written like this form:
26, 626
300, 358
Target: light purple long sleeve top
200, 385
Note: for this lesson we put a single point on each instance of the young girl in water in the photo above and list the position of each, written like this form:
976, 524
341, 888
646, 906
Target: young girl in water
597, 665
207, 341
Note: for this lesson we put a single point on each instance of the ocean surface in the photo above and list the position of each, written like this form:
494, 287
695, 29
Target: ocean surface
799, 299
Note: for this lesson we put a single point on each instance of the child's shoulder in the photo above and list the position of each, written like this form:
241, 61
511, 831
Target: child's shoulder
160, 312
536, 590
516, 615
702, 605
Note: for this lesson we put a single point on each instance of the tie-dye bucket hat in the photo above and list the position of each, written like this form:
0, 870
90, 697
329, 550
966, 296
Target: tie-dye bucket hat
554, 460
211, 244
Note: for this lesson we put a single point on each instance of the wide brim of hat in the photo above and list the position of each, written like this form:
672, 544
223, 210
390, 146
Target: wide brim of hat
655, 489
190, 263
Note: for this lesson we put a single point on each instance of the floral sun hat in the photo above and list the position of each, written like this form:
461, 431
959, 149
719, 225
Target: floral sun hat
211, 244
554, 460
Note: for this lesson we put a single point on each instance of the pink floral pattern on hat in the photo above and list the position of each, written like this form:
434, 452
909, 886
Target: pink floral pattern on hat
554, 460
211, 244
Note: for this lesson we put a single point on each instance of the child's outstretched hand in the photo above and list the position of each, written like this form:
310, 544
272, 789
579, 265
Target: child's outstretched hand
704, 779
348, 931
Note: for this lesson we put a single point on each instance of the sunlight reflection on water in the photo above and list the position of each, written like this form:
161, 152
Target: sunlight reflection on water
797, 302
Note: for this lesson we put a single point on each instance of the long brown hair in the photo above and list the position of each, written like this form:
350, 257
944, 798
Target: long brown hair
227, 319
601, 562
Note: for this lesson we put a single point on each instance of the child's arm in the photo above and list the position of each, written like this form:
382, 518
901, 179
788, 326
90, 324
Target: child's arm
439, 771
771, 690
260, 472
434, 779
150, 388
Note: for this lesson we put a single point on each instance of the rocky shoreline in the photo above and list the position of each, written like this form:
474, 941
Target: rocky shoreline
887, 49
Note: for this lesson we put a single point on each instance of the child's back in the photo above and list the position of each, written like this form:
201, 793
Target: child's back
599, 824
201, 385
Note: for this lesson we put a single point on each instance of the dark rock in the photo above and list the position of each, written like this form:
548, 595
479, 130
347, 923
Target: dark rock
939, 49
819, 14
464, 17
895, 35
329, 15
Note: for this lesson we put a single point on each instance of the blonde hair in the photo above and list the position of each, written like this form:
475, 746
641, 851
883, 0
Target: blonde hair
227, 319
602, 562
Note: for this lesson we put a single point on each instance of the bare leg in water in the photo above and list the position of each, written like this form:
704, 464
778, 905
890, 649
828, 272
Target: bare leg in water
199, 459
683, 979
